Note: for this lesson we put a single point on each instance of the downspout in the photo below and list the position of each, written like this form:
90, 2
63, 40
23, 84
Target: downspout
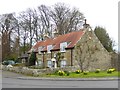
51, 54
43, 61
71, 57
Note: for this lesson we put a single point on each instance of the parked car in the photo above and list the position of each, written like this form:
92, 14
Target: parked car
8, 62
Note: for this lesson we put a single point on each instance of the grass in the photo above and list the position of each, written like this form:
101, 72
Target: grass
81, 75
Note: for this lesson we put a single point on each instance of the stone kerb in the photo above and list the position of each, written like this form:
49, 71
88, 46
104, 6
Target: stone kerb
34, 72
23, 70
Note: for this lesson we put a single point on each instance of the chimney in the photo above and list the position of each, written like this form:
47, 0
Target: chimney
55, 33
46, 36
85, 25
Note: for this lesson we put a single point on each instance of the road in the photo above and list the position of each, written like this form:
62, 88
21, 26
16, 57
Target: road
10, 80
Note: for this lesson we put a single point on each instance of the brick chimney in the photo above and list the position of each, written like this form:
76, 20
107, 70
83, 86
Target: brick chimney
46, 36
55, 33
85, 25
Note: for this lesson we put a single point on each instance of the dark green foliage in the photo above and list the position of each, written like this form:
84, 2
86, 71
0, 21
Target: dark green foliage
104, 38
58, 57
77, 71
32, 59
97, 71
67, 73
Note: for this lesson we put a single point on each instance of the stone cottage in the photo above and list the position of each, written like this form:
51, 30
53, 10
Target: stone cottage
63, 51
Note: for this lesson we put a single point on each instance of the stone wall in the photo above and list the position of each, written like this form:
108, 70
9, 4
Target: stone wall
34, 72
0, 50
24, 70
47, 56
99, 58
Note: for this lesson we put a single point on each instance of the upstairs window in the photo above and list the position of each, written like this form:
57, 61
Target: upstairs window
40, 49
63, 46
49, 47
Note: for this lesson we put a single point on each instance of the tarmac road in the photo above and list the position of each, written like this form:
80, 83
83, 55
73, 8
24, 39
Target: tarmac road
12, 80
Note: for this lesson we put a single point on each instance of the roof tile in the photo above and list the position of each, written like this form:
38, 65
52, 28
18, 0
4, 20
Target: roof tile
72, 38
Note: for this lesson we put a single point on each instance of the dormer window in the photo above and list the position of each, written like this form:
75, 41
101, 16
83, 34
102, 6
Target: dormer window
63, 46
49, 47
40, 49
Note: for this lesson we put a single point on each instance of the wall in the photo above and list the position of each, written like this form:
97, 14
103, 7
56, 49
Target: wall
48, 56
0, 50
99, 58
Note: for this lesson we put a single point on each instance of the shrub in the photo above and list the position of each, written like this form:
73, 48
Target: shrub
35, 67
67, 73
19, 64
97, 71
61, 73
55, 72
77, 71
85, 72
111, 70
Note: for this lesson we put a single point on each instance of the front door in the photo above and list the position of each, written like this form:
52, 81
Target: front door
54, 64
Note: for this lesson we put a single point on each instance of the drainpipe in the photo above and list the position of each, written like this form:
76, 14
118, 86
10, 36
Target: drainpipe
43, 61
71, 57
51, 54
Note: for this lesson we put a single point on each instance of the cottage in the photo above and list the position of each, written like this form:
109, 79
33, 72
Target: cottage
71, 49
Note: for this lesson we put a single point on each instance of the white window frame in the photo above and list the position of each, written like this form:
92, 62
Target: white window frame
63, 46
63, 63
49, 63
40, 63
49, 47
40, 49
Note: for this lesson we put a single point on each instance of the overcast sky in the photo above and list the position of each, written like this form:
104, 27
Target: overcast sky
97, 12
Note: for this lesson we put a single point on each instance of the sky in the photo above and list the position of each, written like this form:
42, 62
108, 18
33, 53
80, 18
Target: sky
102, 13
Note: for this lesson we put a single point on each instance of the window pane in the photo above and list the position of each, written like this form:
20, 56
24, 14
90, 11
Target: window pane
49, 47
49, 64
63, 46
63, 63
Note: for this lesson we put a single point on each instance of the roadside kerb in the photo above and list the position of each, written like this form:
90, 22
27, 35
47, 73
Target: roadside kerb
69, 79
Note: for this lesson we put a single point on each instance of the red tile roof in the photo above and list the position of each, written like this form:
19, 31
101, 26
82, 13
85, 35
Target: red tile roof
72, 38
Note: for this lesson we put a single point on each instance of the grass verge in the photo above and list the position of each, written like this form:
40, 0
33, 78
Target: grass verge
81, 75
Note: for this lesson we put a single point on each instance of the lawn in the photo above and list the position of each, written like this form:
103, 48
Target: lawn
81, 75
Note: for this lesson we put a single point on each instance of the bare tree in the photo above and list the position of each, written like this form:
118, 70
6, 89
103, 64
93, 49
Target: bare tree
45, 23
65, 19
7, 25
29, 26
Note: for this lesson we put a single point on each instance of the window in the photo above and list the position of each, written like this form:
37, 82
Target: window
63, 46
39, 63
63, 63
40, 49
49, 63
49, 47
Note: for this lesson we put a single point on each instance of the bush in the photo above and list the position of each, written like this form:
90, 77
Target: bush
97, 71
35, 67
32, 59
77, 71
19, 64
61, 73
85, 72
55, 72
67, 73
111, 70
